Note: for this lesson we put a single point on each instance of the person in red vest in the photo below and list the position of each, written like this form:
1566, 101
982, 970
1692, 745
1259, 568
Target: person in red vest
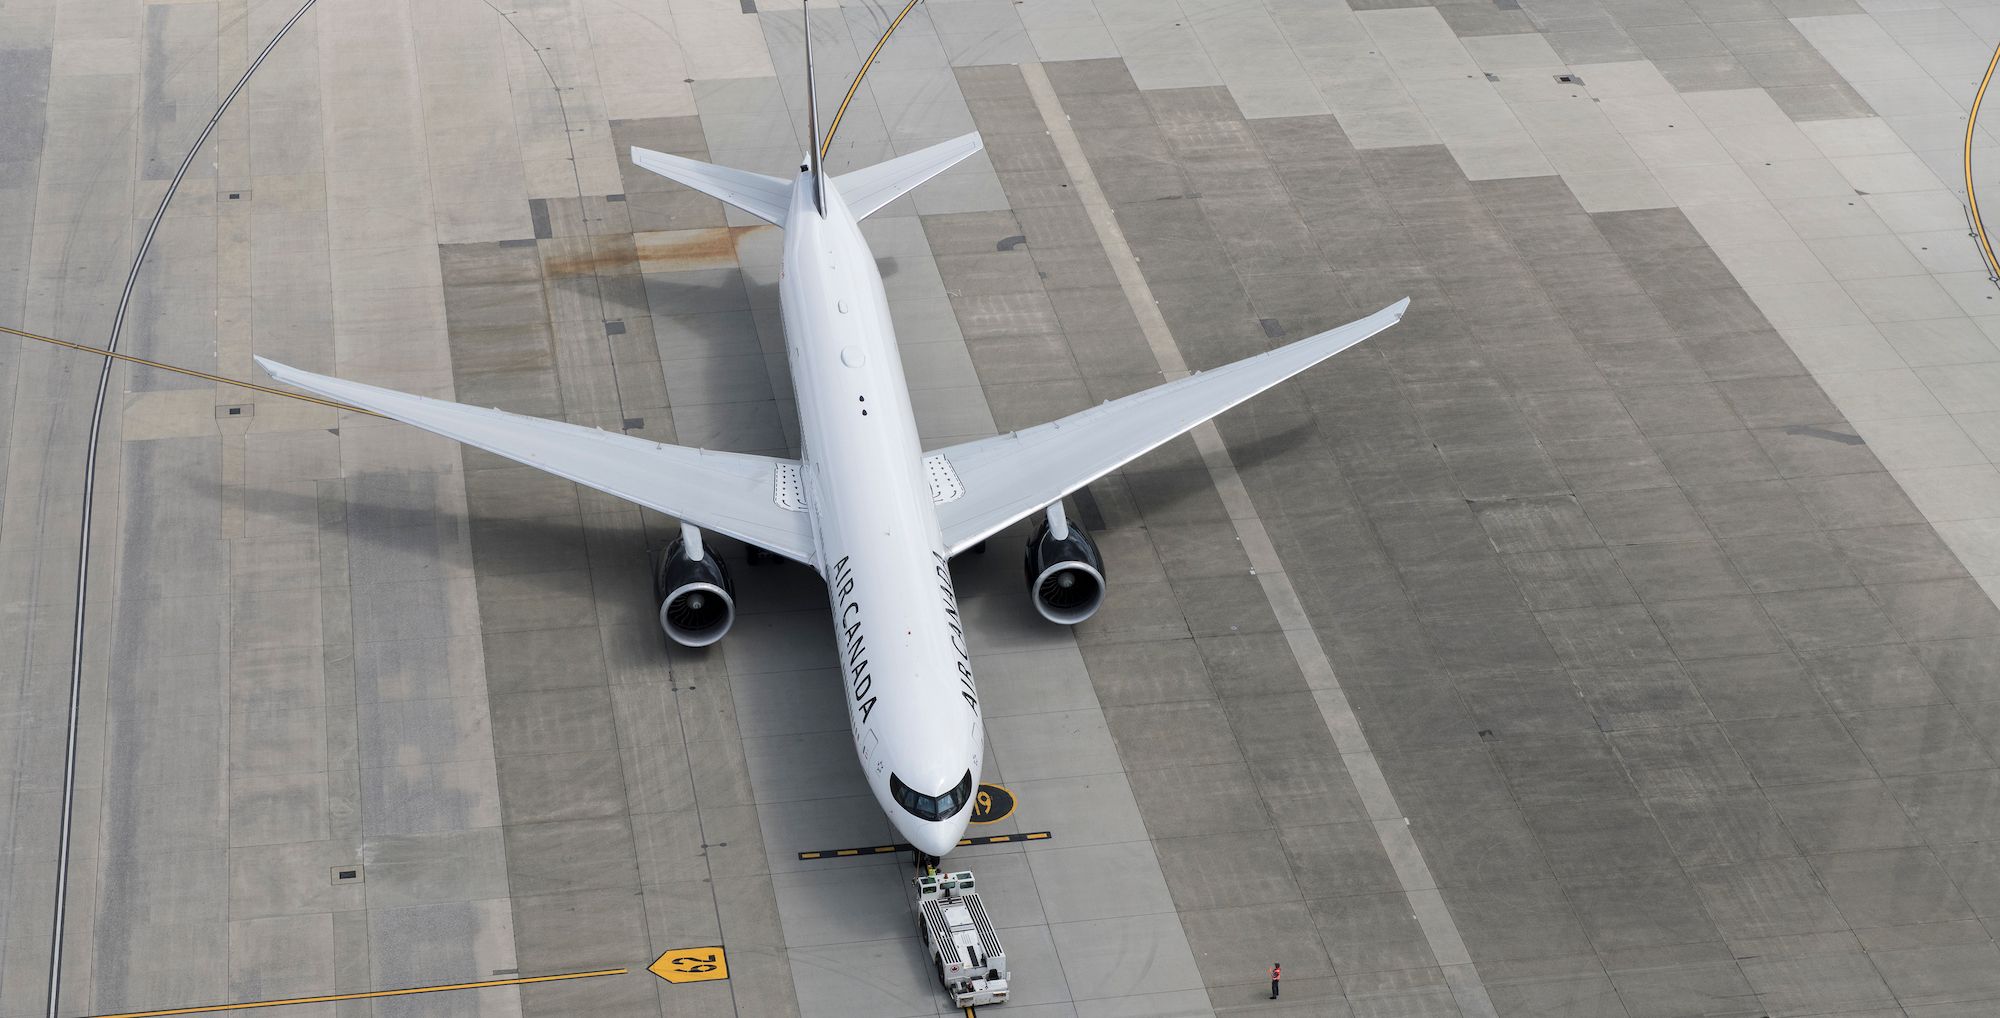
1276, 971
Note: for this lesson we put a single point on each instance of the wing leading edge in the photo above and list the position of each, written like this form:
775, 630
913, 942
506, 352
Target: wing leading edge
1008, 477
729, 493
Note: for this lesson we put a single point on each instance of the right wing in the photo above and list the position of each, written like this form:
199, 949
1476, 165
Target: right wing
729, 493
1008, 477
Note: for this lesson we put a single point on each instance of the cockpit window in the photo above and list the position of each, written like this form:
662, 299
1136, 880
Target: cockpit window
927, 807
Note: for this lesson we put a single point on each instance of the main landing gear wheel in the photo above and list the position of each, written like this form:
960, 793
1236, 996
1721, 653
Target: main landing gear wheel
756, 556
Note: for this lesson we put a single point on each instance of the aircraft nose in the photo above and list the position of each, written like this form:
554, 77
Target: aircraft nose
935, 839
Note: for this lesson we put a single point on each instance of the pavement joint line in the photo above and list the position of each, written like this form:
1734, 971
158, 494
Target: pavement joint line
1391, 827
368, 994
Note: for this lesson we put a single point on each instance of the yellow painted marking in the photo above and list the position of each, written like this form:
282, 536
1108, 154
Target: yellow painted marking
369, 995
252, 386
985, 839
1972, 198
992, 804
827, 145
691, 965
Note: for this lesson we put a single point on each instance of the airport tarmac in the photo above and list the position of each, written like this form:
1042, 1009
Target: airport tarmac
1613, 637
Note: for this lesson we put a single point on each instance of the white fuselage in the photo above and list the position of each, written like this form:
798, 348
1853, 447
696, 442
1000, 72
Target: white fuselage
898, 637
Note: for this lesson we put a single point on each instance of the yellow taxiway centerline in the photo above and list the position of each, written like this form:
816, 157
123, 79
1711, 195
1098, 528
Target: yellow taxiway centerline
827, 146
252, 386
369, 995
1972, 199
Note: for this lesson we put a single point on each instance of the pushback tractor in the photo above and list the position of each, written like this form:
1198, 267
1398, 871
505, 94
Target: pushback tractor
971, 964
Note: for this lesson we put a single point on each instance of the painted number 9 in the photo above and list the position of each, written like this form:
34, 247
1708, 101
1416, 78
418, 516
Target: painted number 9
992, 803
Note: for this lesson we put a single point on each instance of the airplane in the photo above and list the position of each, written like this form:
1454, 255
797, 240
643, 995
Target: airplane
863, 505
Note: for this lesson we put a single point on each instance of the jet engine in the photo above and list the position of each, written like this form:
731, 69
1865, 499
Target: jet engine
697, 600
1065, 571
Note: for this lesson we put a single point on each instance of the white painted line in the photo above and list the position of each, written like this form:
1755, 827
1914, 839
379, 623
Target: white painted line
1408, 860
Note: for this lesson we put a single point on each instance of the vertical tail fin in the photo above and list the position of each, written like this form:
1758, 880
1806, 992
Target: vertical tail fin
814, 159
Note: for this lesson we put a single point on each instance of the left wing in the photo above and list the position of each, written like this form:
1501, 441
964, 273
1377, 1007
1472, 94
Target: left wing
1008, 477
729, 493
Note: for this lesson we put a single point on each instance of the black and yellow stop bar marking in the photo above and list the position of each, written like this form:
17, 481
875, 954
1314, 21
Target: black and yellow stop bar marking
369, 995
190, 372
827, 145
846, 852
988, 839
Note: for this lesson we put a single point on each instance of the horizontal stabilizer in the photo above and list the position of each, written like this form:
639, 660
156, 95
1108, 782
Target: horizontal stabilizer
868, 189
767, 198
730, 493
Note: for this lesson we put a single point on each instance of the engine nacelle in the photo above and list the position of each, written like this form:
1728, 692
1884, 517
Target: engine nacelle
1065, 571
697, 600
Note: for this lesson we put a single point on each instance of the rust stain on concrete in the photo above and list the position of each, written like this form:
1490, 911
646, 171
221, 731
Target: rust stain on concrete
661, 251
